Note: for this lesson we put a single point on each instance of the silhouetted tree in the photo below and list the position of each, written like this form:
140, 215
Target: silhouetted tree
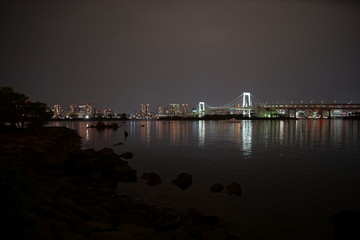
17, 111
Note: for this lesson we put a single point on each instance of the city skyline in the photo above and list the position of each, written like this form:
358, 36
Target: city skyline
120, 54
85, 111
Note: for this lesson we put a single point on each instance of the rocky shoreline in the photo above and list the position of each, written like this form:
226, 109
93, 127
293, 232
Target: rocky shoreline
55, 190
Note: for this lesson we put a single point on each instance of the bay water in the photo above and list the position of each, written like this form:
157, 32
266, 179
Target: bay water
294, 174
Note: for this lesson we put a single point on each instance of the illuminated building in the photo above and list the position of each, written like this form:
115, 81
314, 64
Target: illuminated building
161, 111
57, 111
108, 112
185, 109
73, 108
144, 111
85, 109
174, 109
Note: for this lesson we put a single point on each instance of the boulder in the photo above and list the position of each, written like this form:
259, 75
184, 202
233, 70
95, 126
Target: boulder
106, 153
90, 152
217, 187
42, 227
60, 228
169, 220
120, 174
111, 235
197, 217
194, 230
138, 232
93, 226
151, 178
234, 188
85, 166
126, 155
183, 180
59, 213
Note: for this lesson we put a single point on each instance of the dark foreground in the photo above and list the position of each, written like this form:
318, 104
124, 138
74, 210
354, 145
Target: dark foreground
51, 189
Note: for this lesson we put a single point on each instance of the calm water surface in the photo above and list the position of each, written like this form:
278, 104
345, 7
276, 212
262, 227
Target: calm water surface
294, 174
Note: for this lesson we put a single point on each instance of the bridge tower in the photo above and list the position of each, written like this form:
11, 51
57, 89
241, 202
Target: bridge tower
246, 103
201, 109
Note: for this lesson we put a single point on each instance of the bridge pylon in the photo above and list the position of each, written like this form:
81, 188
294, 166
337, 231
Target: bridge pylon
246, 103
201, 109
246, 100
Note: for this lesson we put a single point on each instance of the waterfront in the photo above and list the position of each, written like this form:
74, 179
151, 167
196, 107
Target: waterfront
294, 174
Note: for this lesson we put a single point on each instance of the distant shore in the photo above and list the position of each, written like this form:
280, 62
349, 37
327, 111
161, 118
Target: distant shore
206, 118
179, 118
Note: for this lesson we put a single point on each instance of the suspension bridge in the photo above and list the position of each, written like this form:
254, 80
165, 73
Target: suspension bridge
247, 105
243, 104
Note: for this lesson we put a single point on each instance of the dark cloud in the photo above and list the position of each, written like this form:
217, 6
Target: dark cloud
124, 53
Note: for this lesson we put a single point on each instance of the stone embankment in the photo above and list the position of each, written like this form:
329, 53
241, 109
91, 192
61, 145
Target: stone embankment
51, 189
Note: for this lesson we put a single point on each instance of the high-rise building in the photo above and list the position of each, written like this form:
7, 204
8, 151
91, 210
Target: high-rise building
145, 110
73, 108
108, 112
174, 109
161, 111
185, 109
57, 111
86, 109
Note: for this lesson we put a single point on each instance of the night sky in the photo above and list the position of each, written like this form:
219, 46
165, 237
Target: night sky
120, 54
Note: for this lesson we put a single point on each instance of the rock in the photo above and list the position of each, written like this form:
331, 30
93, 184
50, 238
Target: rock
346, 225
90, 152
233, 236
214, 234
126, 134
177, 234
73, 236
42, 228
118, 144
217, 187
120, 174
138, 232
60, 228
55, 159
116, 207
85, 166
194, 230
111, 235
197, 217
234, 188
151, 178
59, 213
169, 219
126, 155
65, 202
93, 212
138, 217
93, 226
183, 180
106, 153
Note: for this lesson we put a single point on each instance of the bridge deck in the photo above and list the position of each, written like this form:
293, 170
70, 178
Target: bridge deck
314, 106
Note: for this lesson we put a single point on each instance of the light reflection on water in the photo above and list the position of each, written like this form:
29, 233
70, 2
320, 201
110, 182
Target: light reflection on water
292, 172
250, 135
